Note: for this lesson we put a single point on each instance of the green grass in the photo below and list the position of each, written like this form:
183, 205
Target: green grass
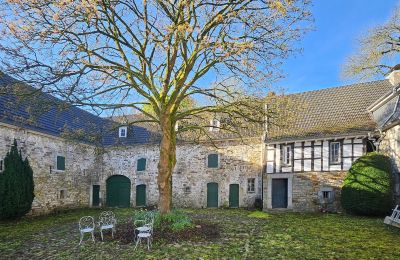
244, 234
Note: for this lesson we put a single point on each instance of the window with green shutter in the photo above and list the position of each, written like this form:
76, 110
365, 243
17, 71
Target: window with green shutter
60, 163
141, 164
212, 160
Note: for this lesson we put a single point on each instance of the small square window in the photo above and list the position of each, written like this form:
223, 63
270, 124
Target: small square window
212, 160
123, 131
141, 164
326, 194
187, 189
60, 163
62, 194
251, 187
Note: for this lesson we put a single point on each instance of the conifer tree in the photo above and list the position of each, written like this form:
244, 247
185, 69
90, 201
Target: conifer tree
16, 185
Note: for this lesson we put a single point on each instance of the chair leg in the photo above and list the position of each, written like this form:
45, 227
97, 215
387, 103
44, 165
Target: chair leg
93, 236
101, 233
137, 242
148, 243
80, 242
112, 232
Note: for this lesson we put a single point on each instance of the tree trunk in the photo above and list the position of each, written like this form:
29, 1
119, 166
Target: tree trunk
166, 165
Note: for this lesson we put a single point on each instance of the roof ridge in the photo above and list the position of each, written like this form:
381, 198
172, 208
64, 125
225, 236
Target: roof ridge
337, 87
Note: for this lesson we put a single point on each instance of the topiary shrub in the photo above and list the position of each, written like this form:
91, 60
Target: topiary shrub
368, 186
16, 185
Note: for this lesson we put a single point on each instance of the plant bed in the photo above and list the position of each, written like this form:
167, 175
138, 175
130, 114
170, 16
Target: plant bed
125, 233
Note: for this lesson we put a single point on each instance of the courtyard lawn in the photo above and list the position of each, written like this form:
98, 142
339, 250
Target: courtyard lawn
243, 234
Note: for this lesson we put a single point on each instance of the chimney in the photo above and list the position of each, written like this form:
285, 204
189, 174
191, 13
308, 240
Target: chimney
394, 76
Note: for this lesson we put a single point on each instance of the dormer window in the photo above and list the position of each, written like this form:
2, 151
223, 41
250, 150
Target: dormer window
123, 131
214, 125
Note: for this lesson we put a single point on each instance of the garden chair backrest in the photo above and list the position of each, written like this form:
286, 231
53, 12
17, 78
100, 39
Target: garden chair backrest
86, 222
107, 218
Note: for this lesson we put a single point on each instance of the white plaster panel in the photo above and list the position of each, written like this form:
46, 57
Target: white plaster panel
347, 150
297, 144
270, 155
297, 153
307, 152
297, 165
347, 141
307, 143
270, 147
358, 141
307, 165
270, 167
325, 151
317, 165
317, 152
286, 169
336, 167
346, 163
358, 150
317, 143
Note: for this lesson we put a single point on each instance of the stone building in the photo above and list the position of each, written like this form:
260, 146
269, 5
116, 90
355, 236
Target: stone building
82, 160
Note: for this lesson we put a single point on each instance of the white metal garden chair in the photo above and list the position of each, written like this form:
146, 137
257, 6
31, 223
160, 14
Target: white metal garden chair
86, 225
107, 221
146, 230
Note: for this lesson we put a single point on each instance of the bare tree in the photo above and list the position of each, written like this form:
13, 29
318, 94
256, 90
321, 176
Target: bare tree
124, 54
378, 51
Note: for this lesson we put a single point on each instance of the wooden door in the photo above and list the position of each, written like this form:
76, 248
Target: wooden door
279, 193
141, 195
96, 195
212, 195
118, 191
234, 195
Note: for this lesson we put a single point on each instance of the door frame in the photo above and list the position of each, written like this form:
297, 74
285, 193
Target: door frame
289, 177
92, 193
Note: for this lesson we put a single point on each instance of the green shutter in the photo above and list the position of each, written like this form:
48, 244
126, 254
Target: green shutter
141, 164
212, 161
61, 163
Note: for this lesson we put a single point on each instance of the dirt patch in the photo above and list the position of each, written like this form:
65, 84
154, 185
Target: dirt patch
201, 231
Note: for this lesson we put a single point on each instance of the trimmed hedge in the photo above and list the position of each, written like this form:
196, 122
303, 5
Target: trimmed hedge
368, 186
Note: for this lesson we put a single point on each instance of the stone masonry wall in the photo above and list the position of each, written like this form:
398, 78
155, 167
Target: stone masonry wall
42, 151
238, 162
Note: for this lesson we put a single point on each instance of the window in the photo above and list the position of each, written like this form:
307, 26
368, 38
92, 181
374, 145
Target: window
187, 189
141, 164
287, 155
326, 194
251, 187
62, 194
60, 163
212, 160
335, 152
215, 124
123, 131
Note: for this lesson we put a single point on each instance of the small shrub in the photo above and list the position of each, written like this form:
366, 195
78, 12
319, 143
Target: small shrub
16, 185
258, 214
367, 188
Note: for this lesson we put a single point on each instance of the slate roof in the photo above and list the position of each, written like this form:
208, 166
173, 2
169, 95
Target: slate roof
24, 106
329, 112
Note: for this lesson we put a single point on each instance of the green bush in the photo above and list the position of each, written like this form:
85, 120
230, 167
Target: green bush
16, 185
368, 186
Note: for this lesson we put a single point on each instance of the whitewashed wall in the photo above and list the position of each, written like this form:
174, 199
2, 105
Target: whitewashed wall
314, 155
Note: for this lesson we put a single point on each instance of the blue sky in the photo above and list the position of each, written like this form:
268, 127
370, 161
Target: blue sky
338, 24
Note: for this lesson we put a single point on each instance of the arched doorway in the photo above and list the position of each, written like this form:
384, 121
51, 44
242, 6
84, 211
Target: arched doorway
118, 191
212, 195
141, 195
234, 195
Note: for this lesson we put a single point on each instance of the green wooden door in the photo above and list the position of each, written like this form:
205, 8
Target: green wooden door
212, 195
141, 195
234, 195
118, 191
96, 195
279, 193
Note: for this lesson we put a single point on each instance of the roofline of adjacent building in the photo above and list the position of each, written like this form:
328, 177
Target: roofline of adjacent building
360, 134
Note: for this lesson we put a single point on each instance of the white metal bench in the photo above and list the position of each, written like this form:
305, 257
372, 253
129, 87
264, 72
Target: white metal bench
393, 219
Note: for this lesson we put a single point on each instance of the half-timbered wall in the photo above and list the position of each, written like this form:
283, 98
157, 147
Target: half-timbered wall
313, 156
